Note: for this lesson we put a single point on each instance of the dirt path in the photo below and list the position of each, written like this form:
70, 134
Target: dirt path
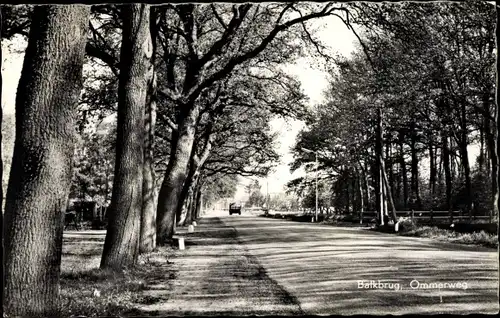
215, 275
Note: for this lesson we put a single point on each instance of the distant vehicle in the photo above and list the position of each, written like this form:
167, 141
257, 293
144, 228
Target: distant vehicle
235, 208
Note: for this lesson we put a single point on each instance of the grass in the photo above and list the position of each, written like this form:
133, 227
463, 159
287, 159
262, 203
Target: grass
89, 291
482, 238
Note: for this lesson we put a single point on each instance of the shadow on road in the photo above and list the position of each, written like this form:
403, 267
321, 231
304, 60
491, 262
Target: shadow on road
329, 269
215, 275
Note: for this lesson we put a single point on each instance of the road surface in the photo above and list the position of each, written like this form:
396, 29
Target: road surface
248, 265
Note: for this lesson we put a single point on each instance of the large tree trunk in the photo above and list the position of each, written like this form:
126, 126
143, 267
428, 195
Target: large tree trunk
1, 124
175, 177
121, 247
496, 152
40, 176
147, 240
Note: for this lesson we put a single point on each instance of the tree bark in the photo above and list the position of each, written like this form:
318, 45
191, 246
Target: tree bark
196, 211
175, 176
192, 202
414, 167
491, 144
378, 156
184, 195
404, 173
199, 203
360, 189
389, 193
447, 169
348, 196
147, 240
1, 125
121, 247
465, 160
1, 152
40, 177
433, 170
367, 185
482, 156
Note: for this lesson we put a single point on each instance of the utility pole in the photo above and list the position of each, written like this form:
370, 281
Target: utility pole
267, 192
316, 179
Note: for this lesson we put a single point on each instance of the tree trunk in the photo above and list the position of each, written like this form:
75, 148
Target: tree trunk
184, 195
482, 156
175, 176
414, 168
432, 163
121, 247
192, 202
147, 241
389, 193
404, 174
197, 206
348, 196
1, 124
1, 152
496, 152
199, 203
360, 189
465, 159
466, 170
491, 144
447, 169
40, 177
378, 156
384, 196
367, 184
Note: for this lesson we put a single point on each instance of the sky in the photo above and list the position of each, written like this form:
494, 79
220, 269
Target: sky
340, 40
331, 31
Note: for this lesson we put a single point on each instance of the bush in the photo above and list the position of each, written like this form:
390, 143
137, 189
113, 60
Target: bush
409, 228
406, 224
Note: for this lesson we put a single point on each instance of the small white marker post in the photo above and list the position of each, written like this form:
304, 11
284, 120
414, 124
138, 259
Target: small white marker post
191, 228
181, 243
194, 223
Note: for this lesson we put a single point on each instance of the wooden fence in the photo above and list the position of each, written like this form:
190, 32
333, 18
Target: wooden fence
429, 216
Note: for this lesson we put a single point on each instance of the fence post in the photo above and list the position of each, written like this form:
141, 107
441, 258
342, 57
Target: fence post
432, 215
412, 215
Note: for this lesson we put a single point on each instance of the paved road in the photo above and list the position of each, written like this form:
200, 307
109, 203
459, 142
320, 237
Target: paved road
241, 265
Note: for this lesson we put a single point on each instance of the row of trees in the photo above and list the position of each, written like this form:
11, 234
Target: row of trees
193, 87
403, 112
